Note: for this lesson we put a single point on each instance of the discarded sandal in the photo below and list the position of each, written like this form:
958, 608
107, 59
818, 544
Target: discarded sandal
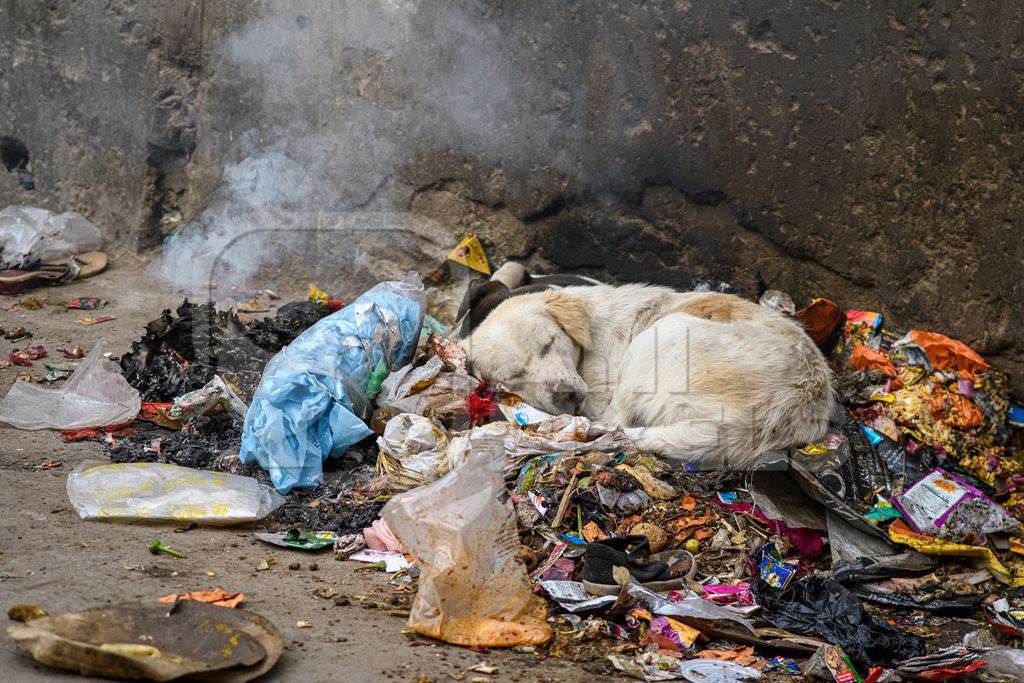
90, 263
666, 570
16, 280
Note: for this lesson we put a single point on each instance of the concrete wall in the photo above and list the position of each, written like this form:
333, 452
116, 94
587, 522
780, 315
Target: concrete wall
868, 153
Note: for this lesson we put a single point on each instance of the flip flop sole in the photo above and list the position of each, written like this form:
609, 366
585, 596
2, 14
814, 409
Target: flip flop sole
17, 281
91, 263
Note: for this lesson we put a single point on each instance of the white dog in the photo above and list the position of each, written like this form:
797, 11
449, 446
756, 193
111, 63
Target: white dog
699, 377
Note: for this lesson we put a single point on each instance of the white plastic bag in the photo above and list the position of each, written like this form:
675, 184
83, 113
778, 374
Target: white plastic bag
29, 235
401, 382
92, 397
412, 451
161, 492
212, 397
462, 531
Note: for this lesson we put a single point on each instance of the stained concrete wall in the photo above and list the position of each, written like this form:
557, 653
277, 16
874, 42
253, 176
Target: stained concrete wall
866, 152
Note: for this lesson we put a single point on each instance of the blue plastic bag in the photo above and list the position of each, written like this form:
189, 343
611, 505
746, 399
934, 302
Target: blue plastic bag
313, 398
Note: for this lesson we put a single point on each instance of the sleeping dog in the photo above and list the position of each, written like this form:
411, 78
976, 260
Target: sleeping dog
698, 377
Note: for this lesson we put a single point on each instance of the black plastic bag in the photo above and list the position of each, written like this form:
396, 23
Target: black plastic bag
820, 607
962, 606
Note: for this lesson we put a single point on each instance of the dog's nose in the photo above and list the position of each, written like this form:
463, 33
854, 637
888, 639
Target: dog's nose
567, 395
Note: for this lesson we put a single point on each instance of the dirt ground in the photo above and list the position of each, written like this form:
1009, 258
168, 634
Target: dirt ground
49, 557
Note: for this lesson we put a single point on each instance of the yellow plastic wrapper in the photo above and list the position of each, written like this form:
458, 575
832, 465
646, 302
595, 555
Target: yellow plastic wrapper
815, 449
462, 531
899, 532
470, 253
318, 296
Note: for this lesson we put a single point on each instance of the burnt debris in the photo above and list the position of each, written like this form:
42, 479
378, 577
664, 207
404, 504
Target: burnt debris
181, 353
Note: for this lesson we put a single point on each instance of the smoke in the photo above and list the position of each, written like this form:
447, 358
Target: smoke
340, 102
232, 239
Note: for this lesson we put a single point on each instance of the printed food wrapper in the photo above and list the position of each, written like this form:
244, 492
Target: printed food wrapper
518, 411
869, 318
565, 591
831, 662
671, 634
929, 504
776, 573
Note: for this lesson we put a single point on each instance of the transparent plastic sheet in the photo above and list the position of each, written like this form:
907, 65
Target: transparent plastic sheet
462, 531
313, 399
692, 610
162, 492
92, 397
561, 434
29, 235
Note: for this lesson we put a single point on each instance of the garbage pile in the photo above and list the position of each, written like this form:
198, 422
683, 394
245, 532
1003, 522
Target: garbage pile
866, 555
890, 550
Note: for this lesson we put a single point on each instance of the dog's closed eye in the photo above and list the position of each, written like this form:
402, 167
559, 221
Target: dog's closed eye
518, 374
546, 349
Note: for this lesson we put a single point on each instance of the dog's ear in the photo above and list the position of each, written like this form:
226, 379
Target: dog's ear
571, 314
481, 298
477, 290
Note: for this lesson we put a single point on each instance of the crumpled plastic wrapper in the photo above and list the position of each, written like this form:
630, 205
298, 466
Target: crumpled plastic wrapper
412, 451
214, 397
426, 390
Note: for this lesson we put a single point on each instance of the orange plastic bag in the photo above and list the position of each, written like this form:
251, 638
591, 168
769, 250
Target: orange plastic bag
949, 354
462, 531
820, 318
865, 358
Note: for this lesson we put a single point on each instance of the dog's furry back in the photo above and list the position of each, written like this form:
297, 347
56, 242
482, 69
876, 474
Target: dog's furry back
735, 380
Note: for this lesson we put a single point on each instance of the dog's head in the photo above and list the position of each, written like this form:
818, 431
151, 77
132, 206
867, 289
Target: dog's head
533, 344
